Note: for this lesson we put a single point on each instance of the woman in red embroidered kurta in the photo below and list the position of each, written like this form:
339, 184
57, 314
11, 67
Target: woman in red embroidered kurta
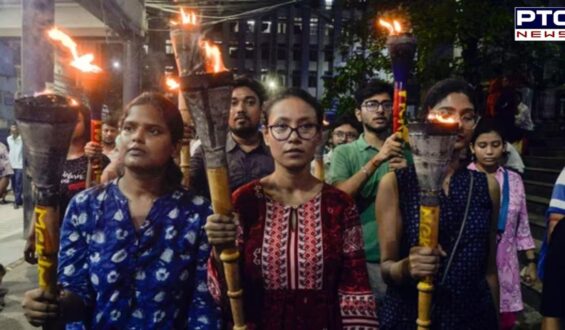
303, 265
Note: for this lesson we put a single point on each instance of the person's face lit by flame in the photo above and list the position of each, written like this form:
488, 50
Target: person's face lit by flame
460, 107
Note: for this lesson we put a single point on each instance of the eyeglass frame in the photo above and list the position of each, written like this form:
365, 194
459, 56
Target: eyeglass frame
379, 104
345, 134
293, 129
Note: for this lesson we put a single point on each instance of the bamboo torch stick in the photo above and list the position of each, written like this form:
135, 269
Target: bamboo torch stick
206, 87
432, 146
46, 123
185, 148
208, 97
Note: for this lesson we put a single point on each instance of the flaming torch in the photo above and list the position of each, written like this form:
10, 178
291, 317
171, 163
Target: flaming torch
432, 145
185, 37
401, 47
84, 64
206, 85
46, 122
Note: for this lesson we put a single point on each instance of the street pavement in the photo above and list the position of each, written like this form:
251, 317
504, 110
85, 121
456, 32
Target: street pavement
20, 276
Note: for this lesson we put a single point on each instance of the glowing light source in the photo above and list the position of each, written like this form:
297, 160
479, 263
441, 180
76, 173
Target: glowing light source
393, 28
81, 62
172, 84
212, 57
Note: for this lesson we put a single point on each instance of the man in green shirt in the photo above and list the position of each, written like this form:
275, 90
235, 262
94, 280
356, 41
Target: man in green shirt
358, 167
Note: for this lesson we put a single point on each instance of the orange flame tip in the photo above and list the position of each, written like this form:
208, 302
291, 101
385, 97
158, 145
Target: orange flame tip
393, 28
81, 62
172, 84
442, 119
188, 17
212, 58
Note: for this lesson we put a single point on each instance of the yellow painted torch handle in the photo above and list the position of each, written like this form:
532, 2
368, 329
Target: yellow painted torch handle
185, 149
221, 203
185, 165
428, 237
47, 246
403, 129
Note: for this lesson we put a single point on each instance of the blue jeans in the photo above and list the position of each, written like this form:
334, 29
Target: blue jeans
17, 185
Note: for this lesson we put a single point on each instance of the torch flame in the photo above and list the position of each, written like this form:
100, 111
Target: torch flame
81, 62
393, 28
172, 83
212, 57
188, 18
442, 118
73, 102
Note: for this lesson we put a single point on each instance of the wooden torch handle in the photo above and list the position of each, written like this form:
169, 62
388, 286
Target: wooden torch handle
47, 246
221, 203
319, 171
94, 168
185, 148
428, 237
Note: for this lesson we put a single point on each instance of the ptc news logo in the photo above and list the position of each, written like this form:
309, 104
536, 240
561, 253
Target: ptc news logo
539, 23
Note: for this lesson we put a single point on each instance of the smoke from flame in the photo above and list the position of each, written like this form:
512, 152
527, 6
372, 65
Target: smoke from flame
172, 84
81, 62
212, 57
393, 28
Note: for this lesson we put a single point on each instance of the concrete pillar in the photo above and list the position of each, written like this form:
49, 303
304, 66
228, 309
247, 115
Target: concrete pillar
37, 52
132, 70
37, 68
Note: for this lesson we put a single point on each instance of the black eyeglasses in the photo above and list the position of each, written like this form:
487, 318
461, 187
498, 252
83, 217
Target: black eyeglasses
373, 105
282, 132
348, 135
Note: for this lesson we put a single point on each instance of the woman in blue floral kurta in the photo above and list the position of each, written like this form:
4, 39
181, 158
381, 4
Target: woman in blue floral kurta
133, 252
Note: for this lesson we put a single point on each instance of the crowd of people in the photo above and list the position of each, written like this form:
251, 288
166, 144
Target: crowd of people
140, 251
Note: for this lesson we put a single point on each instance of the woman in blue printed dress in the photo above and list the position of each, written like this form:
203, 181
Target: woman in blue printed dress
133, 252
465, 293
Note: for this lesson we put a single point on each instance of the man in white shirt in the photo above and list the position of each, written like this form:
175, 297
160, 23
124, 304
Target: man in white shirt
16, 160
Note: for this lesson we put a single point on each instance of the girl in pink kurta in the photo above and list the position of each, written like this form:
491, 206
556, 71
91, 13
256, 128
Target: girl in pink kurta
487, 146
303, 265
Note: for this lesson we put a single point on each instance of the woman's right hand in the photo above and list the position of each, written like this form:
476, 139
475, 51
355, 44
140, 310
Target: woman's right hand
221, 229
424, 261
93, 149
40, 307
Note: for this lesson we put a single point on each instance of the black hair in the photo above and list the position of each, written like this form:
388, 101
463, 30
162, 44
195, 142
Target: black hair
487, 125
371, 88
298, 93
173, 120
347, 119
85, 113
443, 88
252, 84
110, 121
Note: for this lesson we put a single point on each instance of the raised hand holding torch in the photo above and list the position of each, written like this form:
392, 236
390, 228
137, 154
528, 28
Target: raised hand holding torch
206, 87
46, 123
432, 146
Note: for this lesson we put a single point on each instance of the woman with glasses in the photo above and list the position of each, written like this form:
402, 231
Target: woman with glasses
464, 265
303, 265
